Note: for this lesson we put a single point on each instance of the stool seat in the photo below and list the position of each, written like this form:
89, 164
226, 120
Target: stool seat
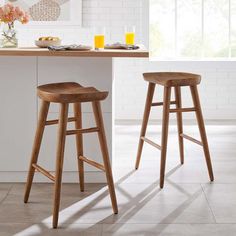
172, 79
69, 92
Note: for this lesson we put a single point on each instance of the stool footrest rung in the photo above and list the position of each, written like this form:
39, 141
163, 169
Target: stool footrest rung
92, 163
54, 122
158, 104
151, 143
82, 131
191, 139
191, 109
44, 172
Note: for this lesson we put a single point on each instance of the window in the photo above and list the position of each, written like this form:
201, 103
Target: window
194, 29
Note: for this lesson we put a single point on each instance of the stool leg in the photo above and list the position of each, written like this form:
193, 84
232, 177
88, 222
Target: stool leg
151, 89
165, 127
103, 144
60, 158
36, 146
179, 123
200, 120
79, 143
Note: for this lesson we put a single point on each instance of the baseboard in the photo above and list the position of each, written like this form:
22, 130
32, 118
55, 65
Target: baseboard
68, 177
173, 122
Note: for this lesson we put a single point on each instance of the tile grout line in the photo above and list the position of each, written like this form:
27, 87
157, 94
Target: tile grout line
9, 190
208, 203
135, 223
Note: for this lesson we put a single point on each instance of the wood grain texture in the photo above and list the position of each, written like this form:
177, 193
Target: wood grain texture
105, 154
79, 143
176, 80
146, 114
191, 139
34, 51
82, 131
44, 172
54, 122
151, 143
171, 79
36, 147
158, 104
60, 159
69, 92
179, 117
65, 94
181, 110
201, 125
164, 135
92, 163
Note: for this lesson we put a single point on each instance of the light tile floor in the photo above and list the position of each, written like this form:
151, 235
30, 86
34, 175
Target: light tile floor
188, 205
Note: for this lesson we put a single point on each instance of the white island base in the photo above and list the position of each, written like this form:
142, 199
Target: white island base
20, 75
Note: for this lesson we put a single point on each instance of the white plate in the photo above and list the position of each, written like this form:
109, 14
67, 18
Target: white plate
47, 43
82, 48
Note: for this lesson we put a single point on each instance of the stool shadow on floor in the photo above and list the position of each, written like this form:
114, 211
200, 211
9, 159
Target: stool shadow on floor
127, 210
25, 217
136, 204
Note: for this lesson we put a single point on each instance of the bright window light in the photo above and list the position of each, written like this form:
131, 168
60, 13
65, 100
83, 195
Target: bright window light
193, 29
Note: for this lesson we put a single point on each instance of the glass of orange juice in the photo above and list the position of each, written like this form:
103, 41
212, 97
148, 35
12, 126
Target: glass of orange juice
130, 35
99, 38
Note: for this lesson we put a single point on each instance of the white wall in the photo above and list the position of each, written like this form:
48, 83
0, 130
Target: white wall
218, 88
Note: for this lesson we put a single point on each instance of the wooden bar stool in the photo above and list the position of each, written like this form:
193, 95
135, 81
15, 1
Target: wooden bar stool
64, 94
176, 80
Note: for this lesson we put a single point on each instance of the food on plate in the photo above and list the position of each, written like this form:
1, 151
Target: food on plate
44, 42
49, 38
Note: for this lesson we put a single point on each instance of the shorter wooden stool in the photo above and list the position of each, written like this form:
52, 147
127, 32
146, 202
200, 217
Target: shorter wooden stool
176, 80
64, 94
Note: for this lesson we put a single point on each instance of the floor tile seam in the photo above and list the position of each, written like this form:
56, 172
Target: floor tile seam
7, 194
94, 224
160, 223
208, 203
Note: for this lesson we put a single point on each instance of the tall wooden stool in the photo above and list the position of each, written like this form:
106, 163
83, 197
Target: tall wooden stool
176, 80
64, 94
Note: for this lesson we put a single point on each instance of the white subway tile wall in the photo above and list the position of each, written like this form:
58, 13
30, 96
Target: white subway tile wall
218, 87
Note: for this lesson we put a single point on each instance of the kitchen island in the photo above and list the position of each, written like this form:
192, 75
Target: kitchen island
22, 70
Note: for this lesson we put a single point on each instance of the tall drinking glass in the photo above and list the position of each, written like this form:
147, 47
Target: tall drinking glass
130, 35
99, 38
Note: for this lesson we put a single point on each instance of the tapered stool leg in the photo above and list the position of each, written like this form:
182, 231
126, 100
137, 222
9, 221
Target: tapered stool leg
60, 158
151, 89
179, 123
79, 143
165, 127
36, 146
103, 144
202, 129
